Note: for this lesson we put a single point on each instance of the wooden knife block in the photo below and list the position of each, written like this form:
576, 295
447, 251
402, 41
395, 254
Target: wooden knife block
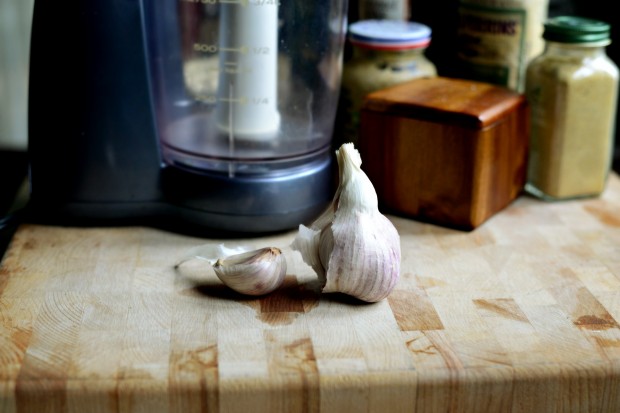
447, 151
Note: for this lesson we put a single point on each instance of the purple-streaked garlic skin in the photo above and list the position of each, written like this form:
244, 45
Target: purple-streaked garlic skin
353, 248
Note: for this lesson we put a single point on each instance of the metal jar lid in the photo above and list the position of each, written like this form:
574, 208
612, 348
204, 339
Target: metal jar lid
389, 34
571, 29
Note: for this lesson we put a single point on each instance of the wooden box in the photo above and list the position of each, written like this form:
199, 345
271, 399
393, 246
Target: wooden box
447, 151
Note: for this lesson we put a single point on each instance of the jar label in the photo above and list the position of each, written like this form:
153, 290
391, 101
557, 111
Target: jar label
496, 43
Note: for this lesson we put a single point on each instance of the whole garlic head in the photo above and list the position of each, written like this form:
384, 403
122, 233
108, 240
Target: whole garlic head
353, 248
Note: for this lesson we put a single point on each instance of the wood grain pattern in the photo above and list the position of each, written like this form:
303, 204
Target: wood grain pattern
520, 315
466, 103
448, 151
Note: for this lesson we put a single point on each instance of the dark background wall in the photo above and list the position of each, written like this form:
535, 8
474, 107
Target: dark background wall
442, 17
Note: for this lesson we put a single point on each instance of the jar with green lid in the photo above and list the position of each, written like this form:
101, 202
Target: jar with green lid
385, 53
572, 89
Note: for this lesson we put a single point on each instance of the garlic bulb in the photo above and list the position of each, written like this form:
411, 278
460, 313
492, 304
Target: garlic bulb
254, 272
353, 248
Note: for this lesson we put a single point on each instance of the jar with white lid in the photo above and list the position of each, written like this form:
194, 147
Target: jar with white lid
572, 89
384, 53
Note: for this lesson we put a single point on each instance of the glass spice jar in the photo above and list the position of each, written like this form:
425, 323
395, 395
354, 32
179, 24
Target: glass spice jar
383, 9
384, 53
572, 89
496, 39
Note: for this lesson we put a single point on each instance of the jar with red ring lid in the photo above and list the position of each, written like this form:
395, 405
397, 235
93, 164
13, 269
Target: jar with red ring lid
384, 53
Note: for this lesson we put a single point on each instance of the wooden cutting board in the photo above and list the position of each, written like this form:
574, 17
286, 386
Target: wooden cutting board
519, 315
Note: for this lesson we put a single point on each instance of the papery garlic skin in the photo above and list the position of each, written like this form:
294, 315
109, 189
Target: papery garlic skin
353, 248
256, 272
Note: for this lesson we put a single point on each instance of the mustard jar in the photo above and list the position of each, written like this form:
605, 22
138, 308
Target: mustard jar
572, 89
384, 53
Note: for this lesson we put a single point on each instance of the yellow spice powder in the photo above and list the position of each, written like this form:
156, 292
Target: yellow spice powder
573, 102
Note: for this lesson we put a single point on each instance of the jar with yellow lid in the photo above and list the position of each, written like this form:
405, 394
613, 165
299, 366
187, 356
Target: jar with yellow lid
384, 53
572, 89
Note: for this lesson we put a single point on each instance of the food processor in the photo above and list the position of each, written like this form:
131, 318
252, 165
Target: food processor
213, 113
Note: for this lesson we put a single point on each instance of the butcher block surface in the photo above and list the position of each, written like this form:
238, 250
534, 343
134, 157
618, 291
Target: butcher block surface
519, 315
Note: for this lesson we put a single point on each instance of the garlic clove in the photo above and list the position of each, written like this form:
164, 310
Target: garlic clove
353, 248
255, 272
